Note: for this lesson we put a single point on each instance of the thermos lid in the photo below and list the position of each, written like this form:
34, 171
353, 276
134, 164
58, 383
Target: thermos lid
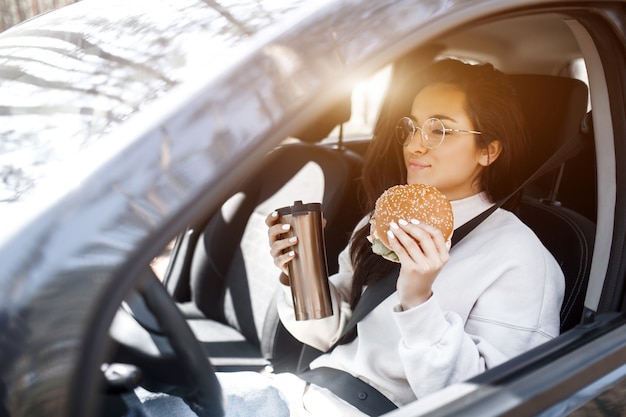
299, 209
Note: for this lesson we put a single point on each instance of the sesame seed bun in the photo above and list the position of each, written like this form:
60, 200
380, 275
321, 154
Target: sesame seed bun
414, 201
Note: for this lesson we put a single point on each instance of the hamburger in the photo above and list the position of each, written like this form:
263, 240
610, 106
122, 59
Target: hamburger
414, 201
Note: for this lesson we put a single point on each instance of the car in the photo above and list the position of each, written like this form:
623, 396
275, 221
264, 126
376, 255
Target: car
143, 143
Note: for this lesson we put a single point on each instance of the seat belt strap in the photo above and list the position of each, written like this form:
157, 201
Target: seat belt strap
380, 290
350, 389
375, 294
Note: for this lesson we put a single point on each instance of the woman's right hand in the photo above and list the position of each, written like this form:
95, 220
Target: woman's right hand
281, 246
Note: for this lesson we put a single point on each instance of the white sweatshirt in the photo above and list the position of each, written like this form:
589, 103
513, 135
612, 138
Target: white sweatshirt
498, 296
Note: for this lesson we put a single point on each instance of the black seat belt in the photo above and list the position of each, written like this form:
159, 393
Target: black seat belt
377, 292
380, 290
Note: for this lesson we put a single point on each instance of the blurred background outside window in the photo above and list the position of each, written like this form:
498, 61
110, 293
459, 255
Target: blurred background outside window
13, 12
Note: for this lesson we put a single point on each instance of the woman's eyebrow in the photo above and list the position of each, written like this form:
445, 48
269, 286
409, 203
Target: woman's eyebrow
441, 117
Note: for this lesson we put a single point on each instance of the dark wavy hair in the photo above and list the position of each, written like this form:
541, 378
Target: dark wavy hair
492, 106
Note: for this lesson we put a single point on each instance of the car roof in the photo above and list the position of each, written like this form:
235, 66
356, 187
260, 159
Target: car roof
518, 44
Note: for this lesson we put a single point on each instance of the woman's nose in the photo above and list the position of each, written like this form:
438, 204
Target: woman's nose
416, 144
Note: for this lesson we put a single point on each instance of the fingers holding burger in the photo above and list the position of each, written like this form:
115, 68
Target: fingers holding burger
418, 202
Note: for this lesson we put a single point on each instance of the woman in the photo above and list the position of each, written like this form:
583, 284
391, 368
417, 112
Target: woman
456, 313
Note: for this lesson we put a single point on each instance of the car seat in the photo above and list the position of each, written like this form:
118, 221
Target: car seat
233, 280
555, 111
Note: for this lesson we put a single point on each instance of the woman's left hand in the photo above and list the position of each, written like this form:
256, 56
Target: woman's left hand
422, 252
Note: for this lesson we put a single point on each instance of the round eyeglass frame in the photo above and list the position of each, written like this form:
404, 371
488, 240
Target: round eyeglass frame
406, 127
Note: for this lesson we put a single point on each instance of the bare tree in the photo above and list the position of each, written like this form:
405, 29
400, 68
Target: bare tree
13, 12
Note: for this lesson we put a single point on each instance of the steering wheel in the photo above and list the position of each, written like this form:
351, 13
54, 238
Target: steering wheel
150, 332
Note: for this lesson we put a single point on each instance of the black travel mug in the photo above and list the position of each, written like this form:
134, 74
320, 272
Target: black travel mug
308, 271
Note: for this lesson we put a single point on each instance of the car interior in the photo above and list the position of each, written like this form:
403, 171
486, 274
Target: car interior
221, 274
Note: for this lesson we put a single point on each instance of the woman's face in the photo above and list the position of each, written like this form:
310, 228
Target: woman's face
455, 165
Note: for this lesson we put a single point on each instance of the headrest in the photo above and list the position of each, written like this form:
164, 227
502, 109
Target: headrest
320, 127
554, 108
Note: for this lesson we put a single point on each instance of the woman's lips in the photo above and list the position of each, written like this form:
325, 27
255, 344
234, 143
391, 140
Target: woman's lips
417, 165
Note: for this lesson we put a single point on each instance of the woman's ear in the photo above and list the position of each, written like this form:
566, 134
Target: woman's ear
490, 153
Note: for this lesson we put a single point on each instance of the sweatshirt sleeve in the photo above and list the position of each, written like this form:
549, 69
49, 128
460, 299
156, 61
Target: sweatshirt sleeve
438, 347
435, 349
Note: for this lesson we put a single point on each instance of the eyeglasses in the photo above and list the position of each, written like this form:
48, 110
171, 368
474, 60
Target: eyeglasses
433, 131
